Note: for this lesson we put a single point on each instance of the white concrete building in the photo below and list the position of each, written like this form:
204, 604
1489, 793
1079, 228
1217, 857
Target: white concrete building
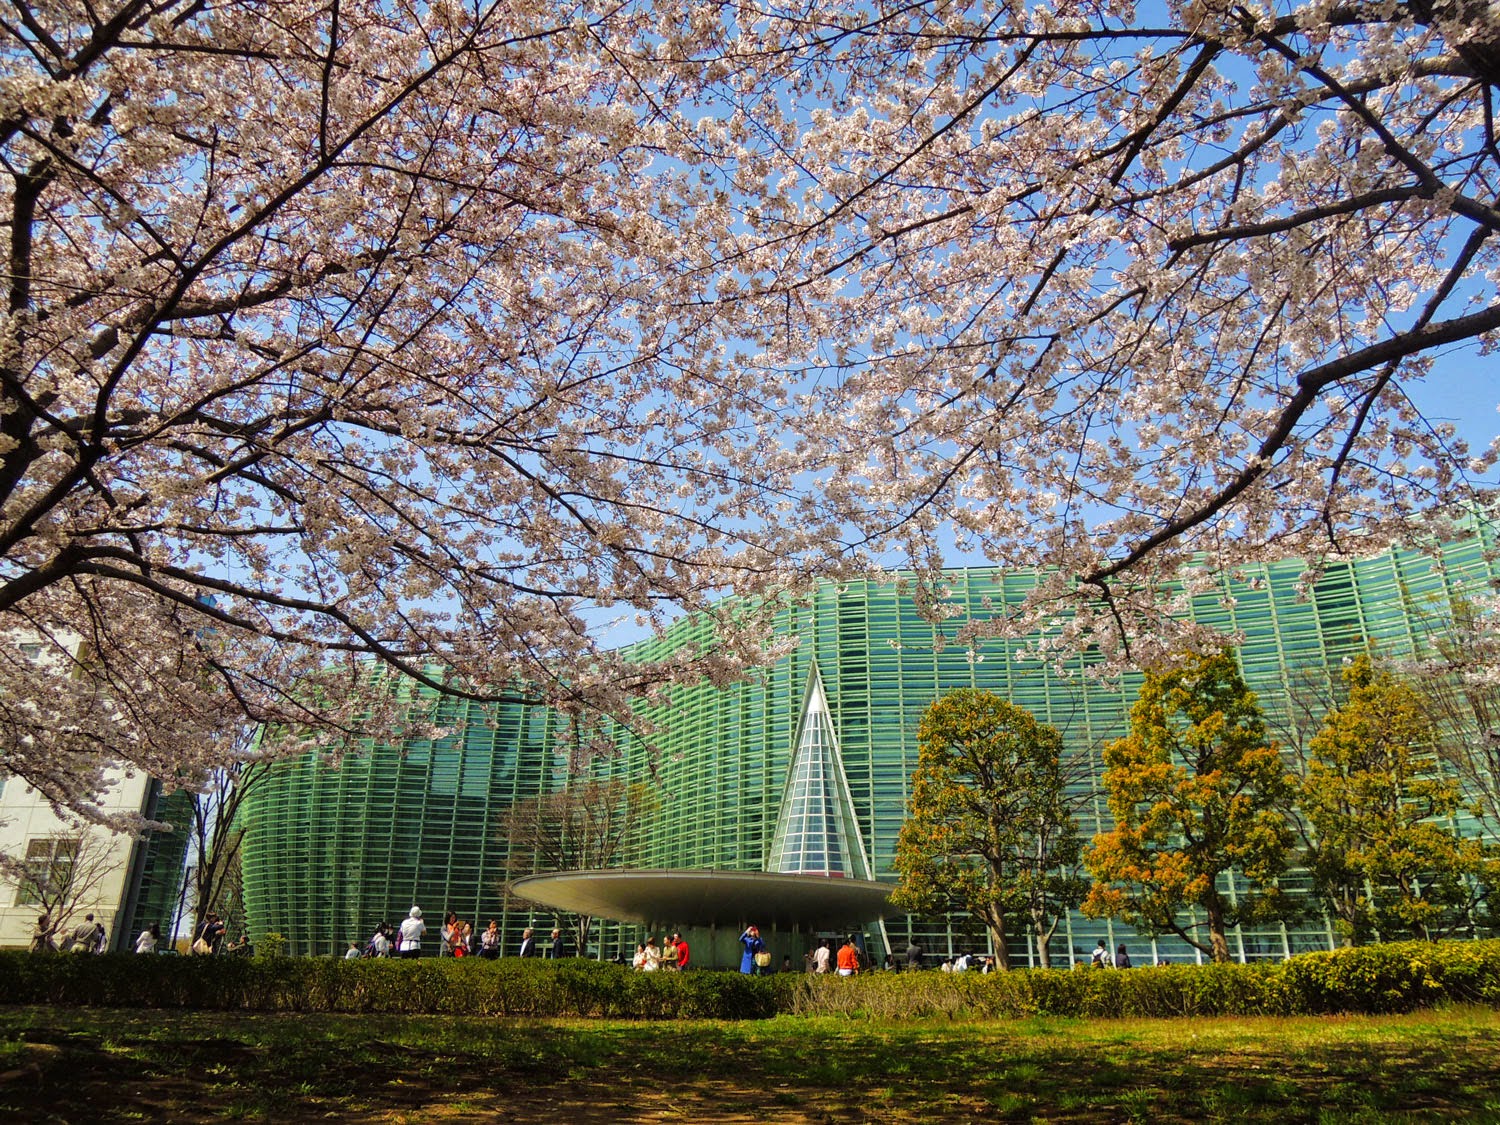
30, 830
91, 868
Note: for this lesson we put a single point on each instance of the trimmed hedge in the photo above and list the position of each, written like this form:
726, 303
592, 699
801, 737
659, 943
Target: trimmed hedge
1399, 977
508, 987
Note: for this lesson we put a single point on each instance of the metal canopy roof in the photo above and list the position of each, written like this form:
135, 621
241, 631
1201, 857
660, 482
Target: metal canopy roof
707, 898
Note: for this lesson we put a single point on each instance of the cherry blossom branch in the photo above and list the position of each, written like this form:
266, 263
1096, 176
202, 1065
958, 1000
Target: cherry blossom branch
1310, 384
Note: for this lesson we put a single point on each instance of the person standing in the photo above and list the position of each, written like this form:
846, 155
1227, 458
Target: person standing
489, 942
1122, 958
528, 943
682, 950
459, 936
412, 930
822, 957
1100, 958
146, 943
208, 936
754, 947
848, 958
380, 944
914, 954
556, 952
41, 937
83, 937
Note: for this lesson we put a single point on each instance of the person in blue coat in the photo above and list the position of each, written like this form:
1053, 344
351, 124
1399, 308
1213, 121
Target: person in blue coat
752, 944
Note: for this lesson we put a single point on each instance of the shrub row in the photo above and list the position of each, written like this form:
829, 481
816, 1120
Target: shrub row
508, 987
1376, 979
1398, 977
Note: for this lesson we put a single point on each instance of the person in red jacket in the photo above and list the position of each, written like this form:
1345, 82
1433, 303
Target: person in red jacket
848, 958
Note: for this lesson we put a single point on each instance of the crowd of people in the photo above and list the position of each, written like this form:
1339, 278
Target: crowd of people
455, 938
90, 936
1101, 958
673, 955
850, 958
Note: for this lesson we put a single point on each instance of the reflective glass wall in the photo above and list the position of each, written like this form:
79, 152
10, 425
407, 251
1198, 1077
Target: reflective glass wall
330, 852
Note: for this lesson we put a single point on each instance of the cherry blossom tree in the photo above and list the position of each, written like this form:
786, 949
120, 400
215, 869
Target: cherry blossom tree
1121, 288
347, 342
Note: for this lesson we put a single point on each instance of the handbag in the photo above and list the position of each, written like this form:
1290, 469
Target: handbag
200, 946
763, 959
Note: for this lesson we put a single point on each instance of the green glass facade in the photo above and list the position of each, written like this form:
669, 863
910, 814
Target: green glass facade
331, 851
158, 894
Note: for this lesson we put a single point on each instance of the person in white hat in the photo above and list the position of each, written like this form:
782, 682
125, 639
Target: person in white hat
411, 933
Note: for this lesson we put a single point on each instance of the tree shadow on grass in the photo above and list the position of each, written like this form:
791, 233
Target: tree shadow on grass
100, 1068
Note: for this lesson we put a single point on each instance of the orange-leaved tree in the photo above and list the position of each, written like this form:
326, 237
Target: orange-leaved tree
1197, 791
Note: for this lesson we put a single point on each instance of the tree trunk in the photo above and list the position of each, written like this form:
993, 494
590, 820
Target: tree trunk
1219, 943
1043, 934
996, 922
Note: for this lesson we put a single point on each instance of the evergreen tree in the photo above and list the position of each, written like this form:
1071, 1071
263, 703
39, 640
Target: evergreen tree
990, 829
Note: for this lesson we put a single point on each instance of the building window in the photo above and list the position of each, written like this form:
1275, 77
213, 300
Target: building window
49, 869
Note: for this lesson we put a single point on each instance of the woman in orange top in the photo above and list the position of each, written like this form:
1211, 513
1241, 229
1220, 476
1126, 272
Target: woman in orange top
848, 959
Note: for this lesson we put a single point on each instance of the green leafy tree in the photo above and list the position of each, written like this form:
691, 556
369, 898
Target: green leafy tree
1383, 855
990, 830
1197, 791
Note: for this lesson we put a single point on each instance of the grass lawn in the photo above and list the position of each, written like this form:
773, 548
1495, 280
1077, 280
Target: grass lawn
94, 1065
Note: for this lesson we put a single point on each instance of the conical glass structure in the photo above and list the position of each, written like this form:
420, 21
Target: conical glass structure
816, 832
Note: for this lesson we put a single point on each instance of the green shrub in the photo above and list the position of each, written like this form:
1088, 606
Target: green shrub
1396, 977
1371, 979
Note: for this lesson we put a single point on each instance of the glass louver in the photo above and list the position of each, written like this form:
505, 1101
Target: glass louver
330, 851
815, 831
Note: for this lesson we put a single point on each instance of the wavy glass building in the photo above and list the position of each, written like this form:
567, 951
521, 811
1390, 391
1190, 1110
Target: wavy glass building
804, 768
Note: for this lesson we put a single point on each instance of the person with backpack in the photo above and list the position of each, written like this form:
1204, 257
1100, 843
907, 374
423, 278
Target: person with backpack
379, 944
83, 937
